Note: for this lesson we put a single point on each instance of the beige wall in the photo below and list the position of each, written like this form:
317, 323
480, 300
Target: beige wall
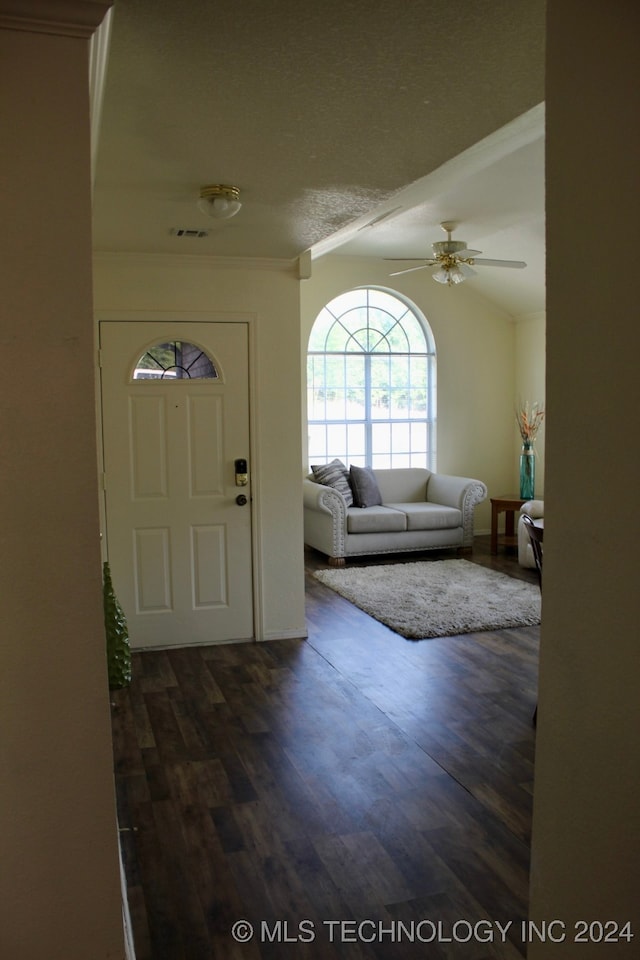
586, 841
59, 876
266, 293
477, 368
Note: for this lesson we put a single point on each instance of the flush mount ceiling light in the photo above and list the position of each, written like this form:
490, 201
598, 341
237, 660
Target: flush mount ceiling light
219, 200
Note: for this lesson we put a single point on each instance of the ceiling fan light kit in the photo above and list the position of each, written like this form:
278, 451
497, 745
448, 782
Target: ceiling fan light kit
454, 259
219, 200
448, 275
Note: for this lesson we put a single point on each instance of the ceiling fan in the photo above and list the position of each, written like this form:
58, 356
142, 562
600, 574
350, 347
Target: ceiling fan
453, 260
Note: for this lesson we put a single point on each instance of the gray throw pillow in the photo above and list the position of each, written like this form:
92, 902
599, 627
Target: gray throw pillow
335, 475
365, 487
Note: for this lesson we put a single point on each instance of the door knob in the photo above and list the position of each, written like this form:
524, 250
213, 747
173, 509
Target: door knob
241, 500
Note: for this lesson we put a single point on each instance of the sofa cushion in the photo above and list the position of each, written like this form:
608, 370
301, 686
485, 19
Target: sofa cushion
335, 475
365, 487
428, 516
403, 484
376, 519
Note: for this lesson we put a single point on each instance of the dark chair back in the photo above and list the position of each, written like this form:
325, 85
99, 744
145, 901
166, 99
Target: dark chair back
536, 537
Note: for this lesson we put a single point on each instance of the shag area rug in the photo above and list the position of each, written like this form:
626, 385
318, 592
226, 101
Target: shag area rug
437, 598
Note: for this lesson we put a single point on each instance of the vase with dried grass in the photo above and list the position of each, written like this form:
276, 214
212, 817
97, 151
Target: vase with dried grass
529, 418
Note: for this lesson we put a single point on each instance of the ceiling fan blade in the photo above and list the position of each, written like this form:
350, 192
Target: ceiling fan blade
425, 263
463, 254
518, 264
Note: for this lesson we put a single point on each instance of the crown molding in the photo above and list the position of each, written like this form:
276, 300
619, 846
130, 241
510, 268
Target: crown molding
198, 261
61, 18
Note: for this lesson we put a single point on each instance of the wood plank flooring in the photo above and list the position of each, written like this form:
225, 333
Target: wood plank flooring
343, 794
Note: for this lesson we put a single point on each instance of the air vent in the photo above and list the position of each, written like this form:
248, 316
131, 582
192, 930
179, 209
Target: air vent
195, 232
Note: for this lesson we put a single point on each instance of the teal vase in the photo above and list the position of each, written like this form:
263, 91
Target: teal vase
527, 472
117, 634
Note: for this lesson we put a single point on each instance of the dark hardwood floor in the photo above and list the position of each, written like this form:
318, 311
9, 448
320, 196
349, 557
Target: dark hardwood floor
343, 793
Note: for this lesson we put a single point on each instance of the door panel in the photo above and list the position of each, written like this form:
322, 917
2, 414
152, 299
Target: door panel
152, 571
206, 454
208, 553
179, 545
148, 447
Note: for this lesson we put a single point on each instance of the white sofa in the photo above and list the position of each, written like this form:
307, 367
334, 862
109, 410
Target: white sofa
535, 510
420, 510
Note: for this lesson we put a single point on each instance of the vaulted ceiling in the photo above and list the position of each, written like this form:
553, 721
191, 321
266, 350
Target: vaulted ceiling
328, 116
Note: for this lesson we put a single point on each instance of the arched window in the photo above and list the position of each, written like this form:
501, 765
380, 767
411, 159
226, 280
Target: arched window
371, 383
177, 360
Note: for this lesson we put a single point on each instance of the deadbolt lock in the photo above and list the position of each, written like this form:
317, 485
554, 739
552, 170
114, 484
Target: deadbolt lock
242, 476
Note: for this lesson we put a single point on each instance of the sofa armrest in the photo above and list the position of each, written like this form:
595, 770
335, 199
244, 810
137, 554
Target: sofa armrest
325, 519
533, 509
464, 493
454, 491
318, 496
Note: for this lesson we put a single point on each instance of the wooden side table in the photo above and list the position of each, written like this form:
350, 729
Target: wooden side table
508, 505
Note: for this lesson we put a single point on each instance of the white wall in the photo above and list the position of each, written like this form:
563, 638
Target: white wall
60, 891
476, 358
267, 293
586, 841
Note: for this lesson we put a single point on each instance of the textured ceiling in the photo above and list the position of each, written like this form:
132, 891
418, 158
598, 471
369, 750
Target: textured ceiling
321, 114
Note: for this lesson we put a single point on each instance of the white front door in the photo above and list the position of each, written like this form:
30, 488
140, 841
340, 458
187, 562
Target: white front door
178, 540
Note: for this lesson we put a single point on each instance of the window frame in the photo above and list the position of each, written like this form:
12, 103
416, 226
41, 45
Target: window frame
371, 343
172, 372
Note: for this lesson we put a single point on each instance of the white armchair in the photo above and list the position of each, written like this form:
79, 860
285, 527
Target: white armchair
535, 510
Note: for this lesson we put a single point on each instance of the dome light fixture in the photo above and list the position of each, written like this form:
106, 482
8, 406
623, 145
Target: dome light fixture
219, 200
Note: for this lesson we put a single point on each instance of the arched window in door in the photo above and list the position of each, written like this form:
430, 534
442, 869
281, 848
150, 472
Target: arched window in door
176, 360
371, 382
